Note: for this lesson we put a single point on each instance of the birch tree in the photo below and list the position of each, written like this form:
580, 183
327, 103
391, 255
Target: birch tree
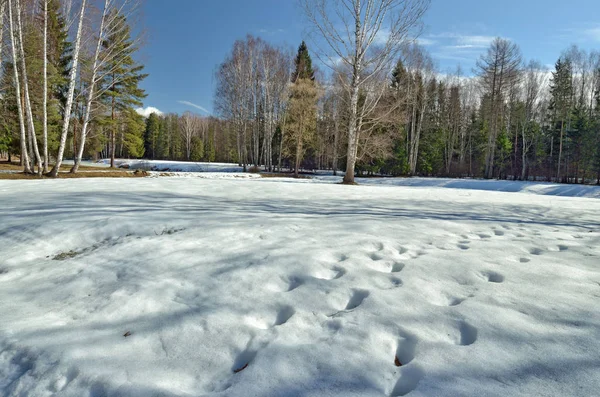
96, 65
71, 93
45, 83
366, 36
189, 126
17, 82
28, 110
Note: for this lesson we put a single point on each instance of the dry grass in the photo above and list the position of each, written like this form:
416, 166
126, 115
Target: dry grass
284, 175
79, 175
6, 166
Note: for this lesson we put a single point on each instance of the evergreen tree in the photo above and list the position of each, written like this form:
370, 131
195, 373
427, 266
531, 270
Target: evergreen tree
152, 136
303, 62
561, 91
121, 78
133, 126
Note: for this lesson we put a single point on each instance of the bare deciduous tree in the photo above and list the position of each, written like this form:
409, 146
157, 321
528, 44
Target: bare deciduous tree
70, 94
498, 70
366, 36
17, 82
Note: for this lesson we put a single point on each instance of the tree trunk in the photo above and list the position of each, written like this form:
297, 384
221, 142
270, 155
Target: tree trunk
90, 97
24, 156
281, 142
113, 133
45, 77
71, 93
562, 127
352, 132
29, 112
336, 138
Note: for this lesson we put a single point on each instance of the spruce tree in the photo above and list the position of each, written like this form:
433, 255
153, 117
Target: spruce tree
303, 62
561, 92
152, 136
121, 78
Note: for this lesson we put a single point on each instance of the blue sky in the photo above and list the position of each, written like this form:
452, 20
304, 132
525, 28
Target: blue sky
187, 39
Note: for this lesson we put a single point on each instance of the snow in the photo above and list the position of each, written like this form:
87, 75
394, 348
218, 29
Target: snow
174, 166
224, 170
262, 287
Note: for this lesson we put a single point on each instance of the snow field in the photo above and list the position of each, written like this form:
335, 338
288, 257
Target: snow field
272, 288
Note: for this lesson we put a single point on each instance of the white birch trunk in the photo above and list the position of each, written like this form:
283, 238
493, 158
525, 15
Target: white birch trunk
2, 13
45, 104
71, 93
29, 113
24, 155
90, 97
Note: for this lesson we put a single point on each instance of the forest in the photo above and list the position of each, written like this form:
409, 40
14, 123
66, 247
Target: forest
376, 105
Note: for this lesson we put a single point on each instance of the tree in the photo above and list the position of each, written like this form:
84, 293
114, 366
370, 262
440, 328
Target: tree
189, 128
533, 82
70, 94
498, 70
561, 91
303, 106
17, 83
152, 135
120, 75
352, 30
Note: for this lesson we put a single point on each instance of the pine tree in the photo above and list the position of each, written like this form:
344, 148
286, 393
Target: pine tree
121, 78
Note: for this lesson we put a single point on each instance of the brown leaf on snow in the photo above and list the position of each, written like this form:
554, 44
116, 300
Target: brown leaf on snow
397, 362
127, 334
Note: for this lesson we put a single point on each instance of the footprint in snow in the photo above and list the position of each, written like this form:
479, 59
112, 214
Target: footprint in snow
397, 267
536, 251
357, 299
499, 233
334, 273
467, 334
524, 260
376, 257
402, 250
410, 377
492, 277
284, 314
463, 247
285, 284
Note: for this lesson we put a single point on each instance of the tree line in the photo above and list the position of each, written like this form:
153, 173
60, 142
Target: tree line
69, 83
376, 105
384, 109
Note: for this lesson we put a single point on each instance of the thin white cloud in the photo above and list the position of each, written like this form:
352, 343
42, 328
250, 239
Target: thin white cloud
465, 40
147, 111
425, 42
593, 33
190, 104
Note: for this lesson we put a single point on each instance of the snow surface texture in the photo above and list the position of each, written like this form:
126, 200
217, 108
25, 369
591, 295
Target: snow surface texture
229, 171
155, 287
